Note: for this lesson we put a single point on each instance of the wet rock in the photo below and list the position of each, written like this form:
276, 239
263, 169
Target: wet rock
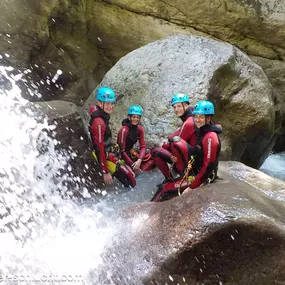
67, 134
228, 232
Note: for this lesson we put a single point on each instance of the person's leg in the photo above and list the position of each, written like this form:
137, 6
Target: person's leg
112, 162
183, 151
161, 157
123, 172
147, 165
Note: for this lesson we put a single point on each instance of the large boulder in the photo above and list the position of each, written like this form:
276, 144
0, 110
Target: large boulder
228, 232
202, 68
256, 27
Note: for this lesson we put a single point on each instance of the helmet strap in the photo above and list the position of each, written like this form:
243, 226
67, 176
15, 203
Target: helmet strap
184, 109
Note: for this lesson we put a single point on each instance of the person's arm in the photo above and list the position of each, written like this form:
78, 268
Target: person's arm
176, 133
166, 145
122, 142
187, 130
142, 143
98, 129
210, 145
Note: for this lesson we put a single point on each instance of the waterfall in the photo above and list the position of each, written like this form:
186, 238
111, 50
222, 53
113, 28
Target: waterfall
45, 237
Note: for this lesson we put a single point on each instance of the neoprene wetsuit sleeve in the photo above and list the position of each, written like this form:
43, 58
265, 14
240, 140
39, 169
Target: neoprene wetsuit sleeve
122, 142
142, 143
187, 131
98, 129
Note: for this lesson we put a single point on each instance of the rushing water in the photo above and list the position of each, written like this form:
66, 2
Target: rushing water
44, 238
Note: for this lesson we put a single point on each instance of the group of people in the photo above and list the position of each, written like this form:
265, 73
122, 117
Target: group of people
196, 139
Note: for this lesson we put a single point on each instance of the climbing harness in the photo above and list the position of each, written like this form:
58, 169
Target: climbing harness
186, 175
135, 155
112, 166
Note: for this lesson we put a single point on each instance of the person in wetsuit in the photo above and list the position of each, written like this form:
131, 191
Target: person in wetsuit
179, 148
101, 137
130, 133
208, 144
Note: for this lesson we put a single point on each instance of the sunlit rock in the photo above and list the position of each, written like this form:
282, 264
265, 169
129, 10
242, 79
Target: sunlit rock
254, 26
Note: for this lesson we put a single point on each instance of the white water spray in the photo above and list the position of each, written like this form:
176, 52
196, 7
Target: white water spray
43, 238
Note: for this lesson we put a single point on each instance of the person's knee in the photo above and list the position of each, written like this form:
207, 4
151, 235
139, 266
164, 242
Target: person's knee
175, 139
155, 152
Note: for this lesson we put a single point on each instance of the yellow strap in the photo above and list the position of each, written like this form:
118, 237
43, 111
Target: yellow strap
189, 167
112, 167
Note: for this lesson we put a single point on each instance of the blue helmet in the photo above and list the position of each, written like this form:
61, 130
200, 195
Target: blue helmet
179, 98
105, 94
204, 108
135, 110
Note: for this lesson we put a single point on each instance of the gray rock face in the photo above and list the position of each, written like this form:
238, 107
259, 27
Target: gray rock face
228, 232
256, 27
204, 69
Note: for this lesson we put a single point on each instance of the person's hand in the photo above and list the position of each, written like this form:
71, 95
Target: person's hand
165, 141
187, 190
173, 158
107, 178
137, 164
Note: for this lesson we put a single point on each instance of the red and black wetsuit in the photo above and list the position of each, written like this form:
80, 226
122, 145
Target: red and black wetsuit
187, 130
101, 135
182, 149
128, 135
207, 152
